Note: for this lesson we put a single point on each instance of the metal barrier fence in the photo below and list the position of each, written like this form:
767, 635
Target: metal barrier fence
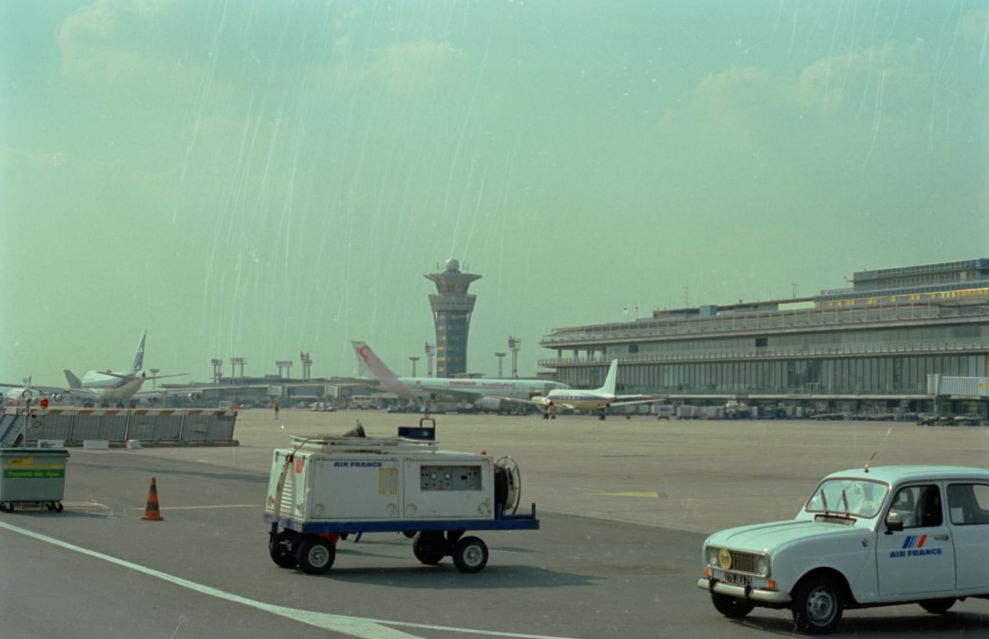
150, 427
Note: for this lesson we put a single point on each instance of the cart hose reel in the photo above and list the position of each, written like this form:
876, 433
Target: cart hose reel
508, 484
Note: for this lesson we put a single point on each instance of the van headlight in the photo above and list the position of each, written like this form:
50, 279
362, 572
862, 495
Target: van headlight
762, 566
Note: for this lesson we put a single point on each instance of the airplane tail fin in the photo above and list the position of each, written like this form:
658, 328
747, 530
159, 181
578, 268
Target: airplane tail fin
379, 369
139, 355
72, 379
609, 381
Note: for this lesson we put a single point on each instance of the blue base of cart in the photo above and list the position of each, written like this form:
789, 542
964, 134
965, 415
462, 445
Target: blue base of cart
312, 546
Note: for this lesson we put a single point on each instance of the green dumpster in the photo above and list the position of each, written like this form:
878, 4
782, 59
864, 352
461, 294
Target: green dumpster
32, 477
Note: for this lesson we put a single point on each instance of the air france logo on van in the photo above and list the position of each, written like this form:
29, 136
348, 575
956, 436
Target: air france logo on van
357, 464
913, 546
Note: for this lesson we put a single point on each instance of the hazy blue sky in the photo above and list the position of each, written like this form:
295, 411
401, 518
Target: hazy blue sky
259, 178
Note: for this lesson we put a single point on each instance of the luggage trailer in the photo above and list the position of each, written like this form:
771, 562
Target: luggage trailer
325, 488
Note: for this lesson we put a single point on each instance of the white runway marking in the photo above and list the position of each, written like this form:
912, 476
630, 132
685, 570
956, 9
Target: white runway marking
353, 626
213, 507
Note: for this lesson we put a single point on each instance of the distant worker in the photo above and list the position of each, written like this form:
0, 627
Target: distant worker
276, 410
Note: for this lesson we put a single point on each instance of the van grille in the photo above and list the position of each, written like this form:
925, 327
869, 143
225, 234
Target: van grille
743, 562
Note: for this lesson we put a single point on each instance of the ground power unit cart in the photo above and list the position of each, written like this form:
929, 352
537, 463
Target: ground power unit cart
325, 488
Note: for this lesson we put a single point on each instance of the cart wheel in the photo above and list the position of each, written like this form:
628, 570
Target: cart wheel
470, 555
316, 555
409, 533
280, 553
3, 506
428, 548
50, 505
7, 506
58, 507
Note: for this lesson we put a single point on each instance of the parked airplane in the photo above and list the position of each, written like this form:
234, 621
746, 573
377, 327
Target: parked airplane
106, 387
17, 395
480, 389
596, 399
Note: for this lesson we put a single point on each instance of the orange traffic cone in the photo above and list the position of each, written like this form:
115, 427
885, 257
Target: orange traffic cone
151, 512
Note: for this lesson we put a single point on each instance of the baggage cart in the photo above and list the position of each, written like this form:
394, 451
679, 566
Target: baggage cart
32, 477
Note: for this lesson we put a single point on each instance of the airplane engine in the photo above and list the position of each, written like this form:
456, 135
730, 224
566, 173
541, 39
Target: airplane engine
195, 397
541, 401
57, 397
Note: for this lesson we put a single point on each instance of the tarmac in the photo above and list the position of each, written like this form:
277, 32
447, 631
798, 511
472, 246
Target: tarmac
689, 475
624, 506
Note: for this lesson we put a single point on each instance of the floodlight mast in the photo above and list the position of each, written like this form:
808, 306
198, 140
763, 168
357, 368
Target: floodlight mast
514, 345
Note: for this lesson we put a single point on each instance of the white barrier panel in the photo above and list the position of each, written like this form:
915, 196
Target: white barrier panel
147, 427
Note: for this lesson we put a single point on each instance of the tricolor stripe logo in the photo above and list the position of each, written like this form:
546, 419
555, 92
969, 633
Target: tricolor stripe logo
914, 541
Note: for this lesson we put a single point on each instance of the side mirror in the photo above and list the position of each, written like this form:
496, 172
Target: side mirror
893, 522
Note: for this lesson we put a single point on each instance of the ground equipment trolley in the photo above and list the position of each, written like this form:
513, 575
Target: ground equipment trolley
325, 488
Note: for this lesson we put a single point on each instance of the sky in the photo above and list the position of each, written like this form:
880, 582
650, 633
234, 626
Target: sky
259, 178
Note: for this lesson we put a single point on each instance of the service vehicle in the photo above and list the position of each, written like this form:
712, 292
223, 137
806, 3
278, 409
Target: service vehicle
865, 537
325, 488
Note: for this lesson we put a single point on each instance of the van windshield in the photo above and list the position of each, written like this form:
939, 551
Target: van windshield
856, 497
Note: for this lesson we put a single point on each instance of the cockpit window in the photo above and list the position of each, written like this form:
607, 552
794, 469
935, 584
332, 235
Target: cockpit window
856, 497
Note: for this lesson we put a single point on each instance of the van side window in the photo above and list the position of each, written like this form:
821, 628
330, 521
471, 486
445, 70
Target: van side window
968, 504
918, 506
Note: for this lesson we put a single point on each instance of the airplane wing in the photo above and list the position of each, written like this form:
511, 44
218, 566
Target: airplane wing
31, 391
145, 377
627, 400
84, 393
537, 400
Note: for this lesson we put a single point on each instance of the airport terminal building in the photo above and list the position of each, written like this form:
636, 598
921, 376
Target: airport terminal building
865, 349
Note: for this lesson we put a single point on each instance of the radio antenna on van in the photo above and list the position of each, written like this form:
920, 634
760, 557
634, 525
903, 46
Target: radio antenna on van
876, 452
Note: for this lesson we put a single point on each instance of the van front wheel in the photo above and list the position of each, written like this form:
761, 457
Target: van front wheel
817, 605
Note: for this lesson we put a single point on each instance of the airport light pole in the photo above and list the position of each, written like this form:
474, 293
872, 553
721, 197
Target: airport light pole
234, 362
429, 359
217, 370
154, 374
501, 358
514, 344
414, 359
286, 365
306, 365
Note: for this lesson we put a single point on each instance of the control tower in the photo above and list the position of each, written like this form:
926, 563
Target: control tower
452, 307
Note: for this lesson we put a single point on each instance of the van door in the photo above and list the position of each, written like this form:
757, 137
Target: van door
918, 560
968, 514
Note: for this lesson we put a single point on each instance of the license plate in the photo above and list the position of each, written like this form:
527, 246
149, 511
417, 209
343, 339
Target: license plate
737, 580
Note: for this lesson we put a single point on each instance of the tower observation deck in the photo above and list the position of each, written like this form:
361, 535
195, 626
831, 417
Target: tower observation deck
452, 307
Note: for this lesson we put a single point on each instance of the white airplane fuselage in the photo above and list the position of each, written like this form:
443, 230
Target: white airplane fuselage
464, 387
579, 400
112, 389
425, 387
